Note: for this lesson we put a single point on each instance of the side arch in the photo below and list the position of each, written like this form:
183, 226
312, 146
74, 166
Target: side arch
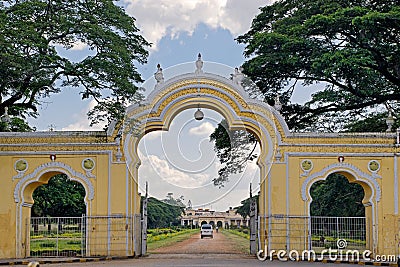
42, 174
371, 187
372, 195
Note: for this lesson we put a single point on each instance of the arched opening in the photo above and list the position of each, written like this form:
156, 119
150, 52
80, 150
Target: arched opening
181, 164
57, 224
338, 213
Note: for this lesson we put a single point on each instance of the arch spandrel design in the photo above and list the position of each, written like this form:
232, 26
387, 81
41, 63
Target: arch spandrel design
39, 174
353, 173
207, 91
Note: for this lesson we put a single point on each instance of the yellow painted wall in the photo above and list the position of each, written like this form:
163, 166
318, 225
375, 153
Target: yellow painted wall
284, 183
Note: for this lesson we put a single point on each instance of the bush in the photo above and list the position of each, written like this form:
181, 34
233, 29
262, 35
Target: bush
74, 242
47, 245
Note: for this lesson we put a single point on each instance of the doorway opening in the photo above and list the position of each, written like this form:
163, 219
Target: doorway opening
337, 212
56, 226
182, 164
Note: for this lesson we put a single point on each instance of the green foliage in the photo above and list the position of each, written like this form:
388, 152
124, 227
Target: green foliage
234, 149
160, 214
349, 49
245, 234
36, 34
59, 198
244, 208
337, 197
174, 201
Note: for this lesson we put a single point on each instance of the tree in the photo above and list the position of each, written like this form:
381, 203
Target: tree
336, 197
161, 214
350, 49
244, 208
35, 33
59, 198
234, 149
172, 201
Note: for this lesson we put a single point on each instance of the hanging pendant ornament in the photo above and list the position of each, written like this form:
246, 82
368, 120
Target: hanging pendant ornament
199, 115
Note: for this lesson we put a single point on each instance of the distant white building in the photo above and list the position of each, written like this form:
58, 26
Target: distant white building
197, 217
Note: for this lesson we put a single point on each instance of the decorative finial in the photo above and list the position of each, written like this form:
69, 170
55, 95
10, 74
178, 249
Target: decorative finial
199, 65
238, 76
389, 121
278, 104
159, 76
5, 118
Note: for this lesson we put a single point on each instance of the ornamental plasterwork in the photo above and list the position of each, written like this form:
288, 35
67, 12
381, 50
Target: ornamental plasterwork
306, 165
88, 165
49, 167
346, 167
374, 166
21, 166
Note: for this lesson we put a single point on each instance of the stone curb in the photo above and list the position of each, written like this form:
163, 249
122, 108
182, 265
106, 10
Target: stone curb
53, 261
69, 260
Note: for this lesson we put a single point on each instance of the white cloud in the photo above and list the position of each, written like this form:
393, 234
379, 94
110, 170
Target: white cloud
205, 128
83, 123
78, 46
153, 163
153, 135
169, 18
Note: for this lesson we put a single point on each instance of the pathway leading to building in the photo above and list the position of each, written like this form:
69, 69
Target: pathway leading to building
219, 244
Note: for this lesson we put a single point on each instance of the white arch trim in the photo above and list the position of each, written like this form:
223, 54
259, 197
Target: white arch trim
49, 167
342, 167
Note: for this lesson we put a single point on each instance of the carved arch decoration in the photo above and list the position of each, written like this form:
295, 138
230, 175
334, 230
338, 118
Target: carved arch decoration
51, 167
344, 168
209, 91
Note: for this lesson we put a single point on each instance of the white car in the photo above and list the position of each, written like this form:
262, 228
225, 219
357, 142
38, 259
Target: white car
206, 230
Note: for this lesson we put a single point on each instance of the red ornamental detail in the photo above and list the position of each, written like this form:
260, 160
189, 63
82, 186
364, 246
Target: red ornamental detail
53, 157
340, 158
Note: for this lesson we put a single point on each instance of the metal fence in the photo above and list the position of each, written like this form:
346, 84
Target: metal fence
81, 236
326, 231
56, 237
109, 235
313, 232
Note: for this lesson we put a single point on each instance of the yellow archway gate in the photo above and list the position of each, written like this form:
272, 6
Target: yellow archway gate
106, 164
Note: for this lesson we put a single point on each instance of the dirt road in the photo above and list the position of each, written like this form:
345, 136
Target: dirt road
220, 244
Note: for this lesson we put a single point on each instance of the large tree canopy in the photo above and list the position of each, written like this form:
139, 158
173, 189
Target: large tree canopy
32, 34
348, 48
61, 197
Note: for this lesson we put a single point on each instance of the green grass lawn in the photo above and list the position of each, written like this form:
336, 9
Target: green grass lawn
166, 240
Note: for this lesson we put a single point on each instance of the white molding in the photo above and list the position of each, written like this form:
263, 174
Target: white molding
345, 167
334, 154
48, 167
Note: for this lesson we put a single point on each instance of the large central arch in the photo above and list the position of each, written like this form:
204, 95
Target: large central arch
211, 91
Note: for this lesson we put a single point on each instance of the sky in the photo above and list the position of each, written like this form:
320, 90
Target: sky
178, 31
